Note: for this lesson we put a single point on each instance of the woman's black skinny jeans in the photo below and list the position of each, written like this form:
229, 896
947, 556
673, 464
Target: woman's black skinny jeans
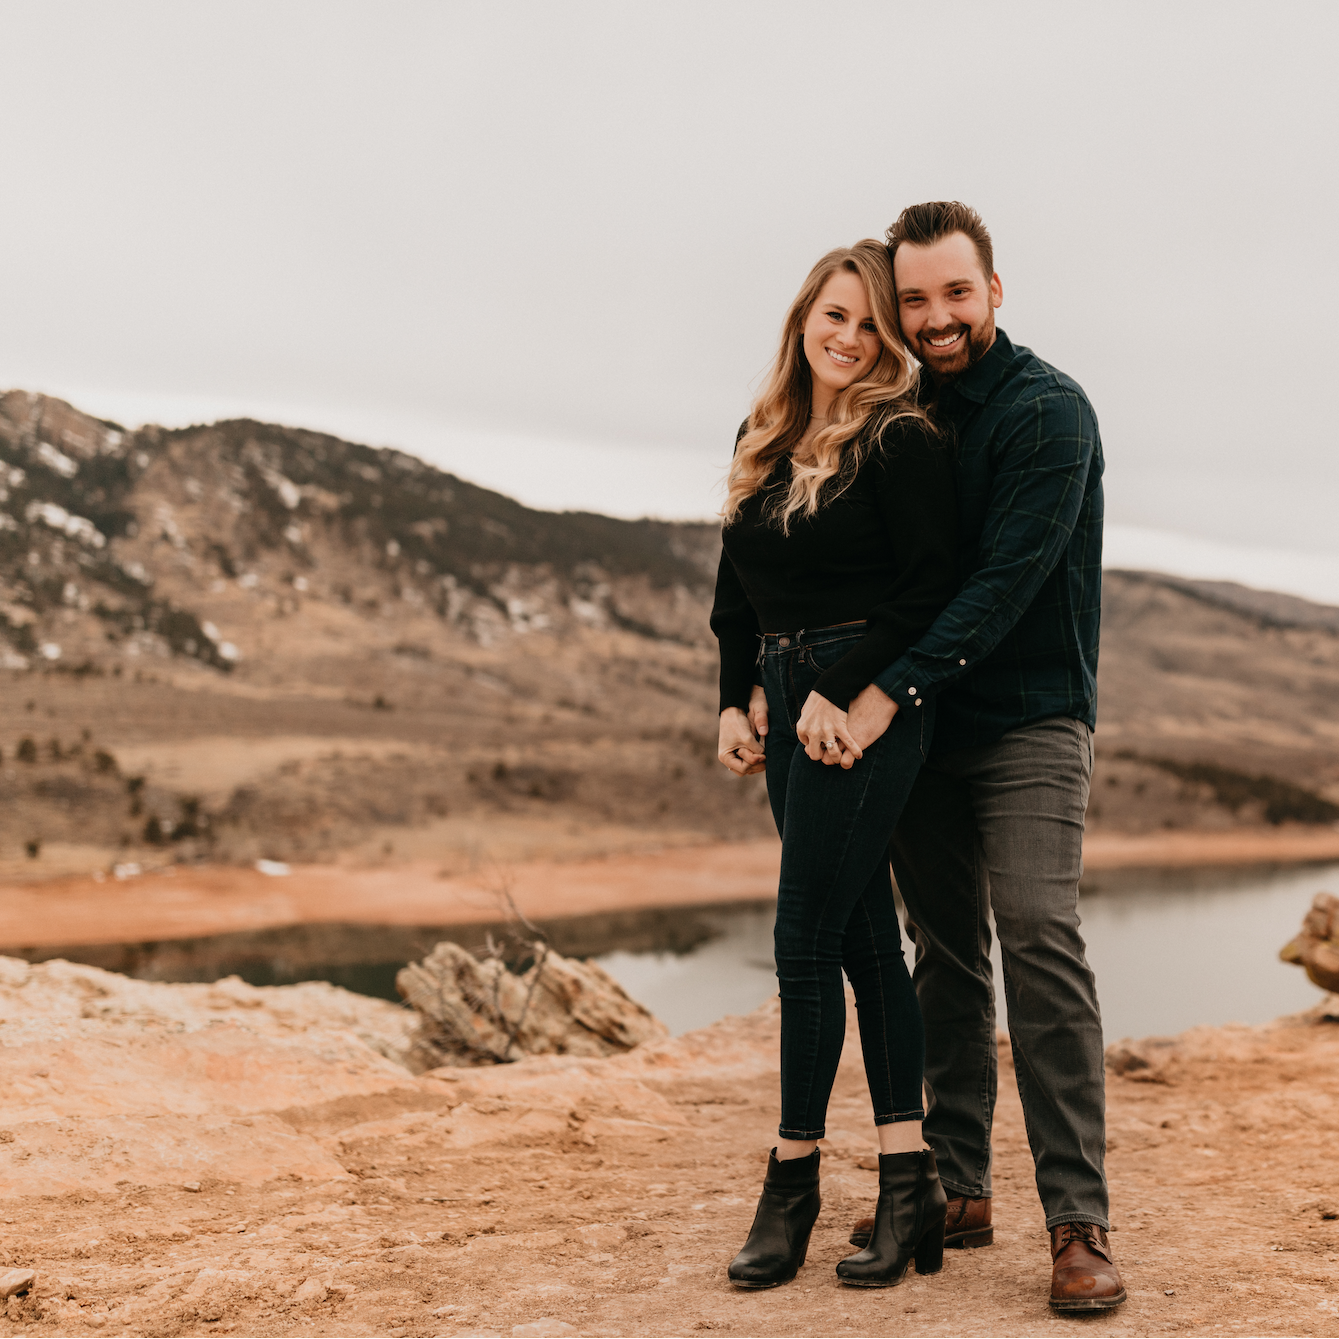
835, 905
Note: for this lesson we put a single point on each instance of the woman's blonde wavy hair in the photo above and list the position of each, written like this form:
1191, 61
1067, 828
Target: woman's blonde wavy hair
780, 414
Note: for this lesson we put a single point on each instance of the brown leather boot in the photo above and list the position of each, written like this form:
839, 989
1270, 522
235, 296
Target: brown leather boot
968, 1225
1084, 1277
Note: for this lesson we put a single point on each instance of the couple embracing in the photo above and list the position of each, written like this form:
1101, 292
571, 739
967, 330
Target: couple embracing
907, 609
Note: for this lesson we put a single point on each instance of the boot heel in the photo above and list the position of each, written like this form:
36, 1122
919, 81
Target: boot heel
930, 1251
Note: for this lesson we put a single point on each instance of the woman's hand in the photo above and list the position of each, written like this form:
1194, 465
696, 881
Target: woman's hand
758, 711
822, 724
740, 750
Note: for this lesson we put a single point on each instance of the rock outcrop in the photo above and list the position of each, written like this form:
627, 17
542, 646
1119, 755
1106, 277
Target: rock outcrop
474, 1012
1316, 949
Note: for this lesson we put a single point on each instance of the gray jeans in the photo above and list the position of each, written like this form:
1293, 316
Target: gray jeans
1001, 828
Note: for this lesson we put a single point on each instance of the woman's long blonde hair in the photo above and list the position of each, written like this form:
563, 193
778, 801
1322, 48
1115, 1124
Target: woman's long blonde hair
780, 414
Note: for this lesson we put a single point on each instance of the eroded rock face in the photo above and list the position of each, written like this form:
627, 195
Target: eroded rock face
479, 1013
105, 1080
1316, 949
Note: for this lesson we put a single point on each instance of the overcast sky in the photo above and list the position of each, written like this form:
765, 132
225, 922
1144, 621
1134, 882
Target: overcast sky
549, 245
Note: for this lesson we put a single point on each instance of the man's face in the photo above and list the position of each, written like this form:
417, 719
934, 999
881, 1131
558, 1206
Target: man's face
945, 304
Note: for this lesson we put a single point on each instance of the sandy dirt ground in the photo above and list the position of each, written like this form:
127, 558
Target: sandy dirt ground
179, 1159
185, 901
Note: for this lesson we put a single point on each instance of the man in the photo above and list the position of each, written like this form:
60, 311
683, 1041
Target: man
996, 818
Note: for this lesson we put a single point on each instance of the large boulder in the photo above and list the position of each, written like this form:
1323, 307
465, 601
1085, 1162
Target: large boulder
477, 1012
1317, 948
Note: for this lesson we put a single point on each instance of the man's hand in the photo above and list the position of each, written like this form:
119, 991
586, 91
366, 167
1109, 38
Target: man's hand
870, 714
822, 723
739, 749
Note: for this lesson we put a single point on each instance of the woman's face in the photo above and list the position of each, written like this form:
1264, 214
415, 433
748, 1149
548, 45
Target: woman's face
840, 338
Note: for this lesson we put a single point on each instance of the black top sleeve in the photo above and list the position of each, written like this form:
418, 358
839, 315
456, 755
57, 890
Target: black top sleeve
735, 624
915, 488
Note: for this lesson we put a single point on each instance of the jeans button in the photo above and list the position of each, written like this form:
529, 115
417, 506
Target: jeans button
785, 641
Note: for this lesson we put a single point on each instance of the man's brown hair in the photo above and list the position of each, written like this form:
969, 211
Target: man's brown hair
923, 225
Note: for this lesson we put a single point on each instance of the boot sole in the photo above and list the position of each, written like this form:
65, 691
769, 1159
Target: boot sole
963, 1241
1088, 1303
758, 1287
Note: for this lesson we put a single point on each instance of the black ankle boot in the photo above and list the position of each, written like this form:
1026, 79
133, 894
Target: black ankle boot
786, 1213
909, 1221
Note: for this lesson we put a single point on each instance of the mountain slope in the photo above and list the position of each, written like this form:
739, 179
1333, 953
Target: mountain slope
239, 640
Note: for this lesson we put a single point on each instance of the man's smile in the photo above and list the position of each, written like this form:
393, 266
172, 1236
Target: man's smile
945, 341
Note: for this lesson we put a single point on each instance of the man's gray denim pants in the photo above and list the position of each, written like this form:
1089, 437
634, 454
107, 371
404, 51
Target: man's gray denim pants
1000, 828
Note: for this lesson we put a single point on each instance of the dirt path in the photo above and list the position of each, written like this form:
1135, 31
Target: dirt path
204, 900
340, 1196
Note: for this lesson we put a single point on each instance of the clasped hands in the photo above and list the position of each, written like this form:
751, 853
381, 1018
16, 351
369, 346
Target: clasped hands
743, 738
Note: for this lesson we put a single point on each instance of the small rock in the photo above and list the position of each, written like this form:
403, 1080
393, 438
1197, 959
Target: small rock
16, 1281
1169, 1292
192, 1186
1316, 949
313, 1290
211, 1311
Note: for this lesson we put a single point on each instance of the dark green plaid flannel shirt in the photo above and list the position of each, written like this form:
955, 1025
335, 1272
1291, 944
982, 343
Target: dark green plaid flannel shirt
1018, 642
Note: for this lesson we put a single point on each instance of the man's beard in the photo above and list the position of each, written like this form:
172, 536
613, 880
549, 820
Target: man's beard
978, 345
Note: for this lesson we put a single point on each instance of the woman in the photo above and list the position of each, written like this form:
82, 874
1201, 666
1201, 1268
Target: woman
839, 534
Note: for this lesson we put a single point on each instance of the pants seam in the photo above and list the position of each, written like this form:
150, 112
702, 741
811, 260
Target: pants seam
856, 809
895, 1117
1059, 1219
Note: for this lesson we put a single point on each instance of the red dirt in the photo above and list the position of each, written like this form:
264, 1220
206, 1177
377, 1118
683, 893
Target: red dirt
593, 1197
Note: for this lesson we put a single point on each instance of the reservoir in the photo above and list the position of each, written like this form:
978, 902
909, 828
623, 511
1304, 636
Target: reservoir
1171, 950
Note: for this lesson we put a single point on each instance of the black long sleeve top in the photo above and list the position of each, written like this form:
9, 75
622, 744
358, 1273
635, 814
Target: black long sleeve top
883, 550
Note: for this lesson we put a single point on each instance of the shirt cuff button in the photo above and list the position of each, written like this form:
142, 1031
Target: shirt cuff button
911, 692
918, 702
962, 662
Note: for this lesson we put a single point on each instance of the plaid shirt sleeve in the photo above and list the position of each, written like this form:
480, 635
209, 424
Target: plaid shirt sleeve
1044, 450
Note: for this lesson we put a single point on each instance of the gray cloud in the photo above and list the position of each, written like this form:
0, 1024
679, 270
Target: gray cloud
583, 221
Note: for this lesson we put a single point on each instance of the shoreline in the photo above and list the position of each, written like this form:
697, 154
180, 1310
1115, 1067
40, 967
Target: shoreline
189, 902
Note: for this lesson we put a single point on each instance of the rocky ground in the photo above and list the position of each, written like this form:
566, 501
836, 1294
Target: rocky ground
180, 1159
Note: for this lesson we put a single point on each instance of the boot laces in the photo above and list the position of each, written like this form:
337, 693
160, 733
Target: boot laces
1083, 1232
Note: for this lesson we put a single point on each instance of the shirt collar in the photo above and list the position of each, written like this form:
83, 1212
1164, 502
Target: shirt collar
977, 383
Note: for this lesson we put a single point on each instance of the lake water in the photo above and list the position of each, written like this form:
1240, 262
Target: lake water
1171, 950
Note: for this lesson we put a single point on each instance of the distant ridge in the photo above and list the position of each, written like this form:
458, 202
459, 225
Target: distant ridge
1271, 609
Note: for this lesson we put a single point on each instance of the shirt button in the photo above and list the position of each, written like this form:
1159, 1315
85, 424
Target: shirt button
918, 702
785, 641
911, 692
962, 662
